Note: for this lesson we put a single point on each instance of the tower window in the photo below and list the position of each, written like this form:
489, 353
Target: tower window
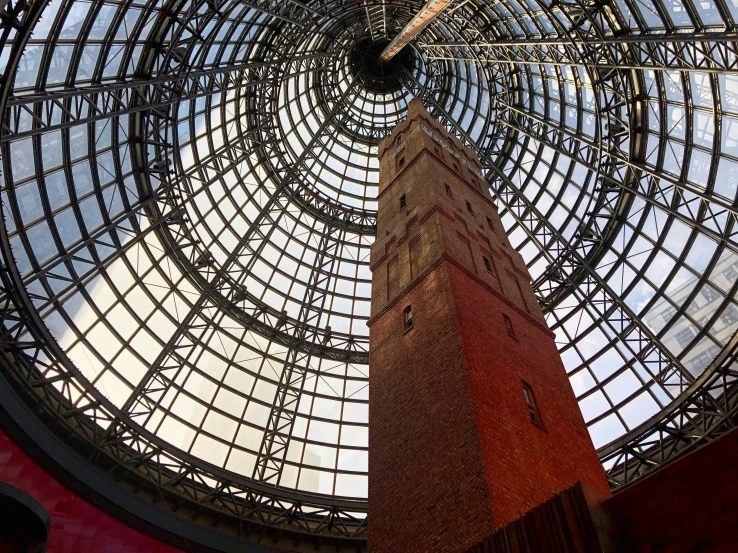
401, 160
448, 191
456, 167
437, 150
403, 201
530, 400
489, 224
487, 264
508, 325
469, 208
408, 314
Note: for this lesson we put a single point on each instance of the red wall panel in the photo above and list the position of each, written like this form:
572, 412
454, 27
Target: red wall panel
77, 525
688, 506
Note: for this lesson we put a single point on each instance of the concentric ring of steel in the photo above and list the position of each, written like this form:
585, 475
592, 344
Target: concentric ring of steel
189, 196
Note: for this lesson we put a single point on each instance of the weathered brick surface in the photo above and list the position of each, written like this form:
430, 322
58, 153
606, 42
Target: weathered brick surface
688, 506
427, 489
453, 454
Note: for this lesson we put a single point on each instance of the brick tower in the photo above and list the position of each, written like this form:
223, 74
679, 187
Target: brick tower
472, 419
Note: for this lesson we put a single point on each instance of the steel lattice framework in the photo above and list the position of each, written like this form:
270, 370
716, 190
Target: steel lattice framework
189, 197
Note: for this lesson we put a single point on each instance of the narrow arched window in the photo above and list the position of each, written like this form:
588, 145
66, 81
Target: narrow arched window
530, 401
408, 314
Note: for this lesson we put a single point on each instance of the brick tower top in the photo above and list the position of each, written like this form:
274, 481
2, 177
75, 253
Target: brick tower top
417, 115
473, 237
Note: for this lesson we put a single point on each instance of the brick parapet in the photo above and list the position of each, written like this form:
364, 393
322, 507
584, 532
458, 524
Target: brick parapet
416, 114
446, 258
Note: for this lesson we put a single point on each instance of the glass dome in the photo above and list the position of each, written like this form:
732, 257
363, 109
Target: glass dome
189, 197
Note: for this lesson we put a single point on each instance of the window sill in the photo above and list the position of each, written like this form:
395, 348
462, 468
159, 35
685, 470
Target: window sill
539, 426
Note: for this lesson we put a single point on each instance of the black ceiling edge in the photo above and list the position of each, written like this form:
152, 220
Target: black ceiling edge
71, 470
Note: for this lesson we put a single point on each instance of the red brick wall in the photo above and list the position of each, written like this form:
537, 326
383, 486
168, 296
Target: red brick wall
688, 506
453, 454
77, 526
524, 463
426, 475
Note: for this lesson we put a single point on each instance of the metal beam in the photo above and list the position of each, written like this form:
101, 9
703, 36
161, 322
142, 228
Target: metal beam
40, 113
701, 414
283, 11
654, 172
249, 310
653, 38
705, 53
278, 433
649, 194
426, 14
145, 398
41, 368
